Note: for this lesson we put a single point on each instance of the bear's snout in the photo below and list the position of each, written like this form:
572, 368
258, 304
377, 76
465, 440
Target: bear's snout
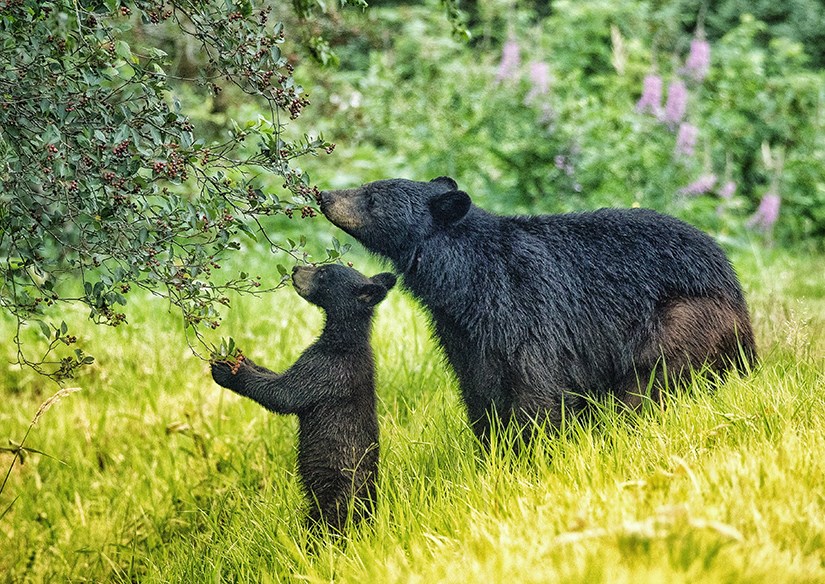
342, 208
327, 199
302, 278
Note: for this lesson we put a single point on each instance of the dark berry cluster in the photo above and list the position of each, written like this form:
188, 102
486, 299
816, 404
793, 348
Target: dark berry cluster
59, 43
51, 150
173, 168
122, 149
48, 300
111, 317
155, 16
290, 100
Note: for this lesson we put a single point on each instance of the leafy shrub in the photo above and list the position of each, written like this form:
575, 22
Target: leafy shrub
106, 184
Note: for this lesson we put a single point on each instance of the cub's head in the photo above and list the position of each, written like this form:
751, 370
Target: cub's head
339, 290
391, 217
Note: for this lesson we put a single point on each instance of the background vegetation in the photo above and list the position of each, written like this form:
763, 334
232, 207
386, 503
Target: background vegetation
153, 473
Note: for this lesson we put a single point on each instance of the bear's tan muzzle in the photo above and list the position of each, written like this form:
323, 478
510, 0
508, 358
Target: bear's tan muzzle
302, 279
342, 208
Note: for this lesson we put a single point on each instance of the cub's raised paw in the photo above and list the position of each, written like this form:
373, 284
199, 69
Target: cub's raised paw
224, 372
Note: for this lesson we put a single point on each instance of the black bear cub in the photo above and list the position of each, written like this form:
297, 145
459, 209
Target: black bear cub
331, 388
536, 314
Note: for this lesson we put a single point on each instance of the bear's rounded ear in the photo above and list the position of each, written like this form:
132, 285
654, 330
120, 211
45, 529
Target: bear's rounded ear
386, 279
372, 293
450, 207
447, 181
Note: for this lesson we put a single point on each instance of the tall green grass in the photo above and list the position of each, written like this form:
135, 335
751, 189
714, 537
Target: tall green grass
159, 475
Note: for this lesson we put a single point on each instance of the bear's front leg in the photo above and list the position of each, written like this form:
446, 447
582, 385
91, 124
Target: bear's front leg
287, 393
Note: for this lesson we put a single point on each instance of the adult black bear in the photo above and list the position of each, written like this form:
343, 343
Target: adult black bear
331, 388
536, 311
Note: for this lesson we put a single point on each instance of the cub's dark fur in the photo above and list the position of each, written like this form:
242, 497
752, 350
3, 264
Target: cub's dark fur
536, 311
331, 388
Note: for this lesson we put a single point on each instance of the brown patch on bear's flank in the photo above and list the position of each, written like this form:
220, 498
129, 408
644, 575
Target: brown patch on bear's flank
690, 335
705, 330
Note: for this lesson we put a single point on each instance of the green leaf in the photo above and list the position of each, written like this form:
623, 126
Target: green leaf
45, 329
122, 50
246, 230
126, 71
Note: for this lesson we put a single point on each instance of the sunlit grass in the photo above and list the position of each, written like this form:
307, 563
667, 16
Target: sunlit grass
167, 477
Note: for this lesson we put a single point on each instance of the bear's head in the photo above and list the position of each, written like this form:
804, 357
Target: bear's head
339, 290
392, 217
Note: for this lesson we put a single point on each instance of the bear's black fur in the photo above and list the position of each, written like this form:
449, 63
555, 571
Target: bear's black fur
536, 311
331, 388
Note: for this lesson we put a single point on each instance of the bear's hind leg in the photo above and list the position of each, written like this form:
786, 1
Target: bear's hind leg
689, 335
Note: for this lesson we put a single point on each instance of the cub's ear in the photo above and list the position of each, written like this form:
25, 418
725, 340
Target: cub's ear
447, 181
450, 207
372, 293
385, 279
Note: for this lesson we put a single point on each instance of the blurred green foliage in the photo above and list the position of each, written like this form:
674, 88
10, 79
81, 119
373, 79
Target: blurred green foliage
414, 101
802, 21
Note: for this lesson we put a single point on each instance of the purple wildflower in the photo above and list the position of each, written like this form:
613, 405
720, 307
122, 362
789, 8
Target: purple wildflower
676, 105
768, 211
727, 190
562, 162
510, 60
651, 99
540, 80
686, 140
700, 186
697, 63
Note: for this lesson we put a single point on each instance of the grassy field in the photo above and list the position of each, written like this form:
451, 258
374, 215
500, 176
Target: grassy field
158, 475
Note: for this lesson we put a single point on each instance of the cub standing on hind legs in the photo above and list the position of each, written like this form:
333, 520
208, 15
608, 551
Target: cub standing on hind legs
536, 312
331, 388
